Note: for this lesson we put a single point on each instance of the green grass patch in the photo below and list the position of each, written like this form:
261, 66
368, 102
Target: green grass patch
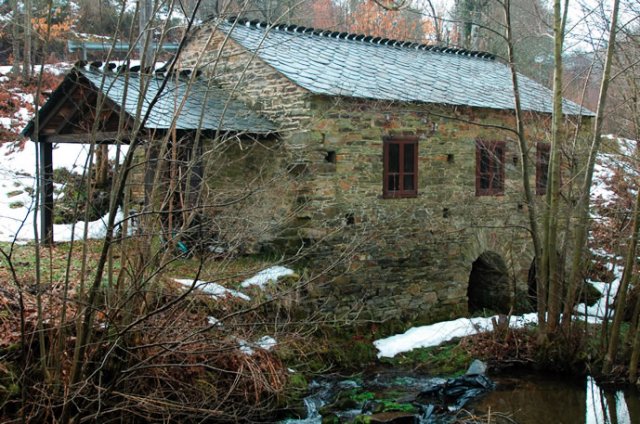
448, 359
391, 406
361, 397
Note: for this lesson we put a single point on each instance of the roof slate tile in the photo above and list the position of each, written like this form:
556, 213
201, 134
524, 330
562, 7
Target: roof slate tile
371, 70
221, 112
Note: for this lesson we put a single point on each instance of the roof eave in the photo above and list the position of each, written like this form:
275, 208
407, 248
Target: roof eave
50, 105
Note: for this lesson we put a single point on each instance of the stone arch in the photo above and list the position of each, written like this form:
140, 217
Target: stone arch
513, 246
490, 286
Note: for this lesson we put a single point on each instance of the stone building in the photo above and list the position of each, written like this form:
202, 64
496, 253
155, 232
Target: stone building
395, 169
402, 158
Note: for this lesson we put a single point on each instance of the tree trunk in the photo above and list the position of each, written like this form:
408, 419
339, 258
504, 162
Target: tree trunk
102, 166
15, 35
582, 209
549, 261
621, 297
524, 161
26, 63
146, 33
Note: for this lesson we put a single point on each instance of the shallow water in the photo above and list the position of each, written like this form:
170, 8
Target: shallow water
536, 399
524, 398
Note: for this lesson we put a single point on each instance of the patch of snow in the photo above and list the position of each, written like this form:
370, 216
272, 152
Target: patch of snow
245, 348
213, 289
214, 321
53, 68
602, 172
267, 342
435, 334
604, 306
23, 115
17, 171
267, 275
86, 36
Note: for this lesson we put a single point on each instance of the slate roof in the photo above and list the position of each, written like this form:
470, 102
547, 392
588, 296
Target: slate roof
355, 65
220, 111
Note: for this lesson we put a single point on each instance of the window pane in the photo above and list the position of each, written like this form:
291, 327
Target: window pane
394, 157
408, 182
393, 183
409, 152
485, 181
497, 157
485, 160
496, 184
543, 179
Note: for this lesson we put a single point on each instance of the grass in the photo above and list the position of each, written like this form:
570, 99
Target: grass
229, 271
448, 359
54, 263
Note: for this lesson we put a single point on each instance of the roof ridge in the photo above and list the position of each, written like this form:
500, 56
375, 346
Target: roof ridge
375, 40
110, 67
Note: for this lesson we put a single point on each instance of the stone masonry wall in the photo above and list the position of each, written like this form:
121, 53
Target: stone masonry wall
412, 257
248, 78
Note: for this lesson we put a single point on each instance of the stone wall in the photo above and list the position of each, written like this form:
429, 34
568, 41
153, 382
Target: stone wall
411, 258
248, 78
247, 192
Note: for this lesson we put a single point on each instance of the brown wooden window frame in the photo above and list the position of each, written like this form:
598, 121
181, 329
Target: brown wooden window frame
543, 159
492, 169
401, 173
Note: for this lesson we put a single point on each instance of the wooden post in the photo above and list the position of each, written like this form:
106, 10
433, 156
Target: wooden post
46, 192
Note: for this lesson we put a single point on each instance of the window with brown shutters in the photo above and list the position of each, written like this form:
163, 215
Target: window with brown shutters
543, 156
490, 168
400, 156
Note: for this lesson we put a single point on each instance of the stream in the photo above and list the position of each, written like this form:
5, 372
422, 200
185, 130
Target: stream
545, 398
398, 397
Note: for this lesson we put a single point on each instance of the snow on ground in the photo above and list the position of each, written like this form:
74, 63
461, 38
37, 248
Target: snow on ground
601, 173
603, 307
607, 163
267, 275
266, 343
214, 321
18, 187
53, 68
435, 334
213, 289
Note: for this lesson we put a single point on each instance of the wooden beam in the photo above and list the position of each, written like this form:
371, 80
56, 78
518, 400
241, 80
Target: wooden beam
53, 112
46, 193
110, 137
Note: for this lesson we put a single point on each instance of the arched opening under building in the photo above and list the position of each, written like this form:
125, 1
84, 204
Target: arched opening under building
489, 284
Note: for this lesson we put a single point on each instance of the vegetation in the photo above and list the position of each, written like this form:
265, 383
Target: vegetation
449, 359
100, 329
